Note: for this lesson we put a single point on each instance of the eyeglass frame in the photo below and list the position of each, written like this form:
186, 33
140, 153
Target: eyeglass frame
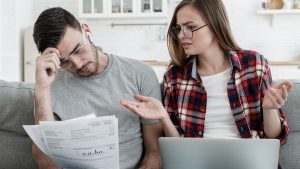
184, 31
69, 58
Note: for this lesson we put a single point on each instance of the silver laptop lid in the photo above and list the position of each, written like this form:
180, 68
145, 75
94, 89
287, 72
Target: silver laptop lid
198, 153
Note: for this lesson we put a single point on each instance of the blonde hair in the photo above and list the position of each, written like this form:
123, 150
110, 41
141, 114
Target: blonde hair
217, 20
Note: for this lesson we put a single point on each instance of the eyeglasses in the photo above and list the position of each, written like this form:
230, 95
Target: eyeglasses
187, 31
66, 63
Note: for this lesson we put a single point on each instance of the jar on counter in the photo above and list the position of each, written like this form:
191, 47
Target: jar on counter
275, 4
296, 4
264, 4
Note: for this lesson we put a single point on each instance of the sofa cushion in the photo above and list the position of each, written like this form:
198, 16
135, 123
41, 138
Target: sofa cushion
15, 151
290, 152
16, 106
292, 108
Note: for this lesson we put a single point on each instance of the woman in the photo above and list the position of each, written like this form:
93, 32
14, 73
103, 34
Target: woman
213, 88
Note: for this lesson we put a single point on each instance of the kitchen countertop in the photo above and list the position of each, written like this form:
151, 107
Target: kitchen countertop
283, 63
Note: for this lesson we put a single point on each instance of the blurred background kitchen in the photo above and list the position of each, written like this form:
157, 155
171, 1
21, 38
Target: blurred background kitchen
137, 29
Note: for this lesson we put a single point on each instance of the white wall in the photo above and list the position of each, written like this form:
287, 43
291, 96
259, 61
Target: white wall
252, 31
16, 16
10, 61
141, 42
24, 19
0, 38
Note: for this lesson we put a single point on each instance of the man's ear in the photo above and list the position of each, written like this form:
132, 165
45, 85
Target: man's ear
89, 36
87, 30
85, 27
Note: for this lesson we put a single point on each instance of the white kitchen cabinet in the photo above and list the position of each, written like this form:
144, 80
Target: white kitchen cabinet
92, 8
285, 71
30, 53
122, 8
152, 7
159, 71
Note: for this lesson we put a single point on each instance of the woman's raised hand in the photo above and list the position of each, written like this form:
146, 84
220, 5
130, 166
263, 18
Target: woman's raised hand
276, 95
146, 107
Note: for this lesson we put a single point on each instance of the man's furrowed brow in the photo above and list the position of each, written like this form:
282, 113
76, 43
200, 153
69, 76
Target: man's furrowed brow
75, 48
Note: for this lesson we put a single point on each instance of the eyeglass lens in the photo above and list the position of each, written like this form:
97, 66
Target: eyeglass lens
187, 31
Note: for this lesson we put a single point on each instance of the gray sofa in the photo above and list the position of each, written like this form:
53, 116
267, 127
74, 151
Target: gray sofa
16, 109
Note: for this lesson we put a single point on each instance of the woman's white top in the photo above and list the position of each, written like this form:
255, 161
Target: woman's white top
219, 121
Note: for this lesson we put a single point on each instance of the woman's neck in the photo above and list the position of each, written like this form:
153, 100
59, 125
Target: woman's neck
212, 62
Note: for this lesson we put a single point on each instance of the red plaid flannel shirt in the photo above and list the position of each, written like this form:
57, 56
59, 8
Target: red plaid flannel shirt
185, 96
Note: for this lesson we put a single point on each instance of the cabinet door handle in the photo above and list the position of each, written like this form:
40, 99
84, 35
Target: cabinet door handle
30, 63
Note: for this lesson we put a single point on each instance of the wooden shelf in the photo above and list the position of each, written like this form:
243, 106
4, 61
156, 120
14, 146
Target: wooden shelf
274, 12
278, 11
156, 62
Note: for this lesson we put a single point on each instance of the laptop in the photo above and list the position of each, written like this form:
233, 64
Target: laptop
199, 153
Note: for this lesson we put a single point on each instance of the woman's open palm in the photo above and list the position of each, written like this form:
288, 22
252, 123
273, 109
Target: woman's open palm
146, 107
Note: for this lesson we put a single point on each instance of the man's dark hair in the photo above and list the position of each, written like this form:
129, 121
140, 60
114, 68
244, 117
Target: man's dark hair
51, 25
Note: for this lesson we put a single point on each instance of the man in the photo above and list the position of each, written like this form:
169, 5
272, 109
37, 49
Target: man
73, 78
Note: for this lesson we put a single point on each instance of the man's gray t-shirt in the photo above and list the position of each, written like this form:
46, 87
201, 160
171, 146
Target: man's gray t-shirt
74, 96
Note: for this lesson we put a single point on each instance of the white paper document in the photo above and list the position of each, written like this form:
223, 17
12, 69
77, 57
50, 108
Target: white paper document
83, 143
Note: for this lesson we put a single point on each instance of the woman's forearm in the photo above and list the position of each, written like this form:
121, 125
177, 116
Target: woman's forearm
169, 128
272, 125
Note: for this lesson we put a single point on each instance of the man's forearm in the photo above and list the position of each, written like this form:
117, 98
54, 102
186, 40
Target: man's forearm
151, 133
43, 107
151, 160
42, 160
